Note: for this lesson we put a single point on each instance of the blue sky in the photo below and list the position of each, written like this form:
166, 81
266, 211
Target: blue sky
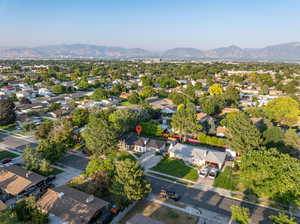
150, 24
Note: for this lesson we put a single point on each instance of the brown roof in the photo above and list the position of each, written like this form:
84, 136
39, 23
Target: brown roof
201, 116
15, 179
141, 219
2, 206
229, 110
220, 129
70, 204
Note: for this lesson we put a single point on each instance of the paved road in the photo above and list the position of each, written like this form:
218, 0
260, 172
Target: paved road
74, 161
13, 143
212, 201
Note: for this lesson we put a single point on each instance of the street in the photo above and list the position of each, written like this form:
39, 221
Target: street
14, 143
212, 201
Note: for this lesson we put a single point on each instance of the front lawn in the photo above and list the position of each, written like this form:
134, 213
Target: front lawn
228, 179
53, 171
126, 103
176, 168
7, 154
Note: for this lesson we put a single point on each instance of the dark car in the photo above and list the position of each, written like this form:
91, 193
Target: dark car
169, 195
6, 160
50, 178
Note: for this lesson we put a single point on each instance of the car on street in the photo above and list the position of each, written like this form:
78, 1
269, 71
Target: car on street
169, 195
204, 171
213, 173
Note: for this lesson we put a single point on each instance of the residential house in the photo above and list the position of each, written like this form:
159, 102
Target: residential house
220, 131
15, 180
71, 205
196, 155
136, 143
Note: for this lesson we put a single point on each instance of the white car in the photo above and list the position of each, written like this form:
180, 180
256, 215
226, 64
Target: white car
204, 171
213, 173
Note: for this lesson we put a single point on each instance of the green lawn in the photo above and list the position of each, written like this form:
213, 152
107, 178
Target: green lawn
176, 168
54, 171
227, 179
7, 154
9, 127
126, 103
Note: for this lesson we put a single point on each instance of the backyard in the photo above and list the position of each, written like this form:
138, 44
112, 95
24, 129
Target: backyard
176, 168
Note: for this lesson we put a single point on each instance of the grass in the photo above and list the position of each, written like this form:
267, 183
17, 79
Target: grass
7, 154
122, 155
9, 127
53, 171
161, 213
126, 103
176, 168
228, 179
172, 179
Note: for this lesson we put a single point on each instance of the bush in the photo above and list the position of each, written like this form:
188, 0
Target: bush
211, 140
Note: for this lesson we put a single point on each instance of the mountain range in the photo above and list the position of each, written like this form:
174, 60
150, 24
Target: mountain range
280, 52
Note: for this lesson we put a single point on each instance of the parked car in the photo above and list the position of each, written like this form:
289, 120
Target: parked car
169, 195
213, 173
204, 171
6, 160
50, 178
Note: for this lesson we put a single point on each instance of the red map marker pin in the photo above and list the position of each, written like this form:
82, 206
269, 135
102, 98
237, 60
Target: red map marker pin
138, 129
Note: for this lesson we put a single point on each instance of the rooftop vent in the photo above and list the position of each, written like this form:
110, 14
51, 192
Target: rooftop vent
90, 199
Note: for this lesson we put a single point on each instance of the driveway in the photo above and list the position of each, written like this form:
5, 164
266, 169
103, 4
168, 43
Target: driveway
64, 177
74, 161
11, 142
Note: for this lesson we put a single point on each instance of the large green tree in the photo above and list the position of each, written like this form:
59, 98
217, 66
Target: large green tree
284, 110
240, 214
184, 121
129, 183
100, 136
242, 134
7, 111
271, 173
282, 218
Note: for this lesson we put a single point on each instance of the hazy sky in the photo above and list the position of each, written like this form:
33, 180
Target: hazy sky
150, 24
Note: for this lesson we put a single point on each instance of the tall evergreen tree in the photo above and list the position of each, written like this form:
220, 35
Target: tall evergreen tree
242, 134
7, 112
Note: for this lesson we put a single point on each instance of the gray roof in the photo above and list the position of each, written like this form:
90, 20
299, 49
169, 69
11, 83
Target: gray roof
199, 153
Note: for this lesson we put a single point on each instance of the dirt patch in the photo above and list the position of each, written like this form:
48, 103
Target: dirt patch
161, 213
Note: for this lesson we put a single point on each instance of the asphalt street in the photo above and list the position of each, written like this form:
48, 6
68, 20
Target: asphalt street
11, 142
212, 201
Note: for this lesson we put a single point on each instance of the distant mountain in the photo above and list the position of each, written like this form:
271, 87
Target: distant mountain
183, 53
280, 52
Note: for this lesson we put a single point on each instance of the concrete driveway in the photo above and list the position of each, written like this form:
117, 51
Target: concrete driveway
74, 161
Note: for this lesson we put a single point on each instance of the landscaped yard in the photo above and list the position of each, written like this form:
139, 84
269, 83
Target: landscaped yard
228, 179
176, 168
161, 213
54, 171
9, 127
7, 154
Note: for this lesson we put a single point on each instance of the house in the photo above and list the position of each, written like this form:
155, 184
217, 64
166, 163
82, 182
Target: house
139, 218
71, 205
196, 155
15, 180
165, 105
202, 117
220, 131
227, 110
141, 144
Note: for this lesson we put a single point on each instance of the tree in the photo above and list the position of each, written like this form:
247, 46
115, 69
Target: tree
184, 121
83, 84
100, 136
129, 183
147, 91
231, 95
62, 132
31, 158
212, 104
284, 110
58, 89
273, 136
7, 112
97, 165
43, 130
242, 134
134, 98
273, 174
292, 139
50, 150
240, 214
166, 81
99, 94
80, 117
25, 100
123, 120
150, 128
281, 218
215, 89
